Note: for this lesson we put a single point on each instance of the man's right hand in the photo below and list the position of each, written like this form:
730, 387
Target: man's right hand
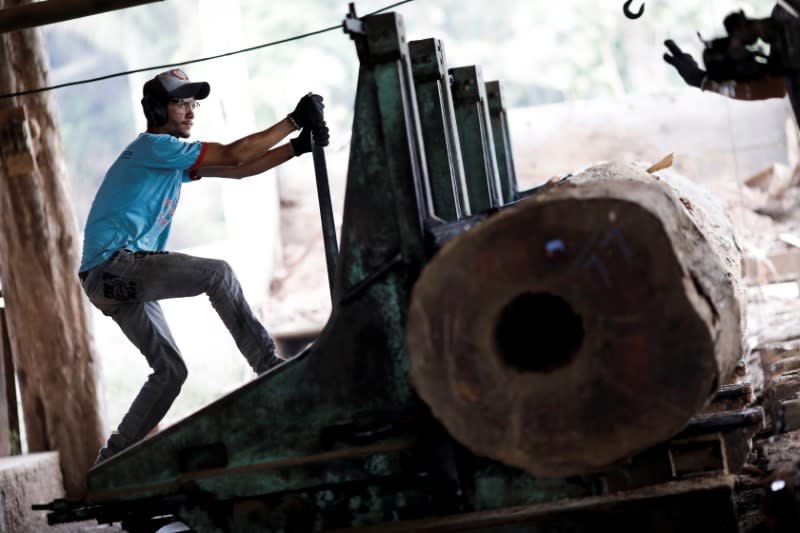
684, 63
302, 143
308, 111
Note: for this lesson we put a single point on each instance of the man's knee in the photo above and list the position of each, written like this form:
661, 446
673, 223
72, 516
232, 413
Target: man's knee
172, 373
178, 372
219, 266
223, 273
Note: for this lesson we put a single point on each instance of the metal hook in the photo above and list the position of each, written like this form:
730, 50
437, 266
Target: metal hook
630, 14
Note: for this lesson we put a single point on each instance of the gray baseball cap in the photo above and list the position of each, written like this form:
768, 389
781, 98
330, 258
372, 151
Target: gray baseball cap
175, 84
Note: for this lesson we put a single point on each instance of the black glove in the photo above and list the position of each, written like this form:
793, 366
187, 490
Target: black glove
308, 111
302, 143
321, 134
685, 64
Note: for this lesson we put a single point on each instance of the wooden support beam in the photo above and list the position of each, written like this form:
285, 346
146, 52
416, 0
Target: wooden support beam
50, 11
9, 419
52, 343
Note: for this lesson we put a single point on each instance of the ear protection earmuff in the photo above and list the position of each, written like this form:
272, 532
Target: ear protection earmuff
154, 111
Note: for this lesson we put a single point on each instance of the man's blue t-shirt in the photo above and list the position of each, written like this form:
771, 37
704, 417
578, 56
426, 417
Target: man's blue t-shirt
134, 205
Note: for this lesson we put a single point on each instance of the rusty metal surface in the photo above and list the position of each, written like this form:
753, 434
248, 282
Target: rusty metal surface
437, 119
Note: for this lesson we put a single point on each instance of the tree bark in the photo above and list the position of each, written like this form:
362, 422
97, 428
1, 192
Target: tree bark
47, 313
583, 325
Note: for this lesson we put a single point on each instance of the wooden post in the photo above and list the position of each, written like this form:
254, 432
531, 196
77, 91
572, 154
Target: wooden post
9, 419
32, 14
581, 325
46, 311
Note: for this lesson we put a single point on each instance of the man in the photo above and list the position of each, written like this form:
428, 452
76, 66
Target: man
785, 11
125, 268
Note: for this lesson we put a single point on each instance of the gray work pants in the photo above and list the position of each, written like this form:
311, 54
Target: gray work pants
127, 287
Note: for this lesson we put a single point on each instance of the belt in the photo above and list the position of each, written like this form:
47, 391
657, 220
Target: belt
85, 274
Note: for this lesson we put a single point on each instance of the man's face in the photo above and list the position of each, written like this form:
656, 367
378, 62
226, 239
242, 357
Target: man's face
180, 117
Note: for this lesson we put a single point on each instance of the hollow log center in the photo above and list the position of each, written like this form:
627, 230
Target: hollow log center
538, 332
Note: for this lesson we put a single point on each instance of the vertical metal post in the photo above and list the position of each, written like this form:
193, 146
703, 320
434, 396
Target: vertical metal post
326, 215
439, 131
502, 140
404, 168
475, 134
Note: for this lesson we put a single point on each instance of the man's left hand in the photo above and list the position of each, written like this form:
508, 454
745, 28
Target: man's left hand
302, 143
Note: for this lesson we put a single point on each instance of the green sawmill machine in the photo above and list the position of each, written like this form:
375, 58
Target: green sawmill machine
368, 429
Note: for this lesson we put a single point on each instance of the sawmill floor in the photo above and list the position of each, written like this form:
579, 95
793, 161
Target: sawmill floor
767, 485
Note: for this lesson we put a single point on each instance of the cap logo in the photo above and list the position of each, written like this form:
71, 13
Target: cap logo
178, 73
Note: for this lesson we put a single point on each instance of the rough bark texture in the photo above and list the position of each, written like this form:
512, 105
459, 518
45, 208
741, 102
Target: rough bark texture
47, 314
582, 325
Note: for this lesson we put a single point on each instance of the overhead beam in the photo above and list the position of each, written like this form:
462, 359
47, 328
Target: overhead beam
50, 11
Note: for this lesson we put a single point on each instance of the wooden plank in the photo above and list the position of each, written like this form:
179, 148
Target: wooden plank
784, 386
779, 266
48, 12
715, 442
774, 352
784, 365
730, 398
690, 457
791, 414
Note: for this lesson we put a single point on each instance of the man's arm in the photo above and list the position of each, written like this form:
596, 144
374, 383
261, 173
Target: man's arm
246, 150
271, 158
252, 154
262, 163
692, 74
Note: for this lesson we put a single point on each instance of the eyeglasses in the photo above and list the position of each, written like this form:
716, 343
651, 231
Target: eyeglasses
186, 103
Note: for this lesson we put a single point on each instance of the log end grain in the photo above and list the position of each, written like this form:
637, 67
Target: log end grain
577, 327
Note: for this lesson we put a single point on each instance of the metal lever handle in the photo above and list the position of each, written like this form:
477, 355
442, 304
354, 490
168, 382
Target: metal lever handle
326, 214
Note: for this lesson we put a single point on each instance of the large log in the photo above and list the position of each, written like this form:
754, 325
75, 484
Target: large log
582, 325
